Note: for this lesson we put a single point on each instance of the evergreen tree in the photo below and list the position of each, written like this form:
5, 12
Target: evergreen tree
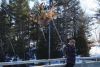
72, 19
5, 26
19, 14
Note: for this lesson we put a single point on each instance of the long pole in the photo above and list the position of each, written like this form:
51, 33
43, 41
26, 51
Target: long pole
57, 32
49, 47
49, 50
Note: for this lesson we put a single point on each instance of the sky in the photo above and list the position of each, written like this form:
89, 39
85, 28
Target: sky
89, 6
39, 1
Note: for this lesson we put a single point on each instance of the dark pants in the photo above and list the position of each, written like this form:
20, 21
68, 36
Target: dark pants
69, 65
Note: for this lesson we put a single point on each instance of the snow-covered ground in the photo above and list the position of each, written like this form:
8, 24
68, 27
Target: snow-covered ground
95, 51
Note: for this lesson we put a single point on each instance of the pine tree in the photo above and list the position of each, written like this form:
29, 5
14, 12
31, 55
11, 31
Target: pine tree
73, 19
19, 14
5, 26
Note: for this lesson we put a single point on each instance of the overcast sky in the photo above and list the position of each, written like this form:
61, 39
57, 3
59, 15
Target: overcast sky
89, 6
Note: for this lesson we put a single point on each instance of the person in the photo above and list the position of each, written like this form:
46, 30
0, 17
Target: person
70, 53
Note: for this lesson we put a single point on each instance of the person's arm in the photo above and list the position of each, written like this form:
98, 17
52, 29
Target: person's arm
65, 51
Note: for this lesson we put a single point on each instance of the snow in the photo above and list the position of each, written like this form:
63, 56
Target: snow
95, 51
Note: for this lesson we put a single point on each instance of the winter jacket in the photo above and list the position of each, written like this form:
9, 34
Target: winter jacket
70, 54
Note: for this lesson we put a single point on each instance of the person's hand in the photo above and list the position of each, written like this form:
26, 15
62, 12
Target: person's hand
64, 56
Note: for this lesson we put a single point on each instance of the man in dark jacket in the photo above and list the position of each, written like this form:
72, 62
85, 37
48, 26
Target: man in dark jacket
70, 53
